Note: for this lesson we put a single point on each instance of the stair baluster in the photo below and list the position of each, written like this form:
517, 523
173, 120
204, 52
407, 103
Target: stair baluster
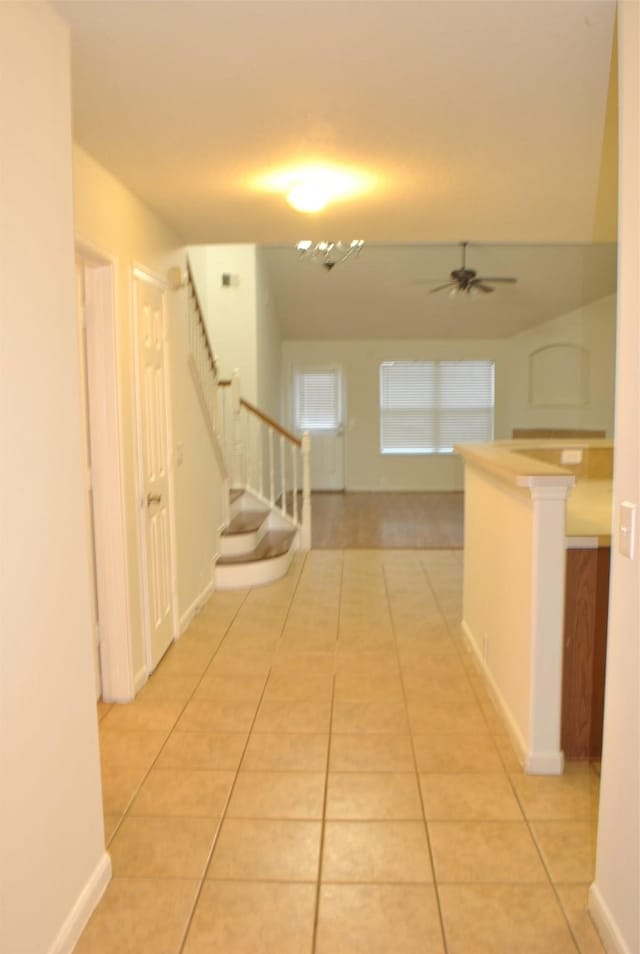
244, 437
283, 483
272, 469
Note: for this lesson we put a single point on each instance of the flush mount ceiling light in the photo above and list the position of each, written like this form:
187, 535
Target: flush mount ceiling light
329, 254
310, 188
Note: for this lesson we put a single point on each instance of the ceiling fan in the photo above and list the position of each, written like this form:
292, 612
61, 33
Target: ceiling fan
467, 281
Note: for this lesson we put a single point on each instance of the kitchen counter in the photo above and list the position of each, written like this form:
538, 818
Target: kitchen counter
536, 562
588, 508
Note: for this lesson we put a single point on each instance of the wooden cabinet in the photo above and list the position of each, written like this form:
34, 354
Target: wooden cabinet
585, 649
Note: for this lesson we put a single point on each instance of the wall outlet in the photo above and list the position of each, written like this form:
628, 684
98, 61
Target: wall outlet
571, 455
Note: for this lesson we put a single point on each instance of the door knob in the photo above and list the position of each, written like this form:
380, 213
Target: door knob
153, 498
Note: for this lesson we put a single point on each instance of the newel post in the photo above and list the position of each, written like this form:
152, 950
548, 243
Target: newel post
305, 530
239, 476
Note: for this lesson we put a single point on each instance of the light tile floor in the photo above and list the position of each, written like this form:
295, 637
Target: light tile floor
316, 767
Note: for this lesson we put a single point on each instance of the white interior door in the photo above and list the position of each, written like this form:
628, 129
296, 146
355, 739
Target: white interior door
153, 442
319, 409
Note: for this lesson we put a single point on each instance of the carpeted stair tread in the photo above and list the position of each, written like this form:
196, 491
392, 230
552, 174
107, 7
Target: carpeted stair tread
246, 521
275, 543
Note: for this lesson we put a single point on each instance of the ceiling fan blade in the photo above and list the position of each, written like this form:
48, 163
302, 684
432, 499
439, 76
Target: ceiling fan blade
425, 281
485, 288
441, 287
511, 280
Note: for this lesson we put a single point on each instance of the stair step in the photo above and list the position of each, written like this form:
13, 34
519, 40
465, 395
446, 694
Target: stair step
246, 521
275, 543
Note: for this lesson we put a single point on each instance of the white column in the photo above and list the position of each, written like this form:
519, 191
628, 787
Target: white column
547, 627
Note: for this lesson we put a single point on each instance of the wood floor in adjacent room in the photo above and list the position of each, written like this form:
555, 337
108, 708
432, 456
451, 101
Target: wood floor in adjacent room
427, 521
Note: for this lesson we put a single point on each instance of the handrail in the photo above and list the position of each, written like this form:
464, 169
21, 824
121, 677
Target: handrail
265, 457
200, 314
270, 421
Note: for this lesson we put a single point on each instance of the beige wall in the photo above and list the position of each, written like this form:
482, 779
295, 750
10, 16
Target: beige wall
268, 345
241, 319
592, 328
53, 866
498, 581
365, 467
111, 219
614, 898
230, 311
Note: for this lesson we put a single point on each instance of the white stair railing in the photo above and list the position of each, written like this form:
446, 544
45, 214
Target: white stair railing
266, 458
253, 450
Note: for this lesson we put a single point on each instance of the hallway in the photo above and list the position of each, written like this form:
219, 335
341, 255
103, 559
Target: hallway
316, 767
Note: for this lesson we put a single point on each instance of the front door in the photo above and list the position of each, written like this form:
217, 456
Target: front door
153, 443
319, 409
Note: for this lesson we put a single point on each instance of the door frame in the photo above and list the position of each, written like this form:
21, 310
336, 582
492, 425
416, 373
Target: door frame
100, 271
143, 274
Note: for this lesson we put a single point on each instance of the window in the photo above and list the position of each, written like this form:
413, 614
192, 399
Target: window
317, 400
428, 406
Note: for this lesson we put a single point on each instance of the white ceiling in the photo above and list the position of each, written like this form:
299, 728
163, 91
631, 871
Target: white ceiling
487, 120
382, 292
483, 119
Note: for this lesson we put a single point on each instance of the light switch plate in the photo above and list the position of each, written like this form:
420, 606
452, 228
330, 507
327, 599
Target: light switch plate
627, 529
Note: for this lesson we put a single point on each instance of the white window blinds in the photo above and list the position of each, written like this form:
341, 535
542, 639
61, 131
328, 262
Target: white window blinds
428, 406
317, 400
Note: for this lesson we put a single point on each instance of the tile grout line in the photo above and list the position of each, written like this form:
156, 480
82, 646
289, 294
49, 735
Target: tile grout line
172, 729
189, 698
545, 867
417, 774
323, 820
221, 820
460, 653
385, 572
510, 781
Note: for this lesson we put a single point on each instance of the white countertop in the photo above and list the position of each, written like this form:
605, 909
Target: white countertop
588, 509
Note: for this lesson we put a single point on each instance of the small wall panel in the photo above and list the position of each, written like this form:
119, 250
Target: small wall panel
559, 376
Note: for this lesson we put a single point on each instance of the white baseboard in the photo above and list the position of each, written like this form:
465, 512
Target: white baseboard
196, 606
82, 910
533, 763
607, 928
139, 680
544, 763
515, 735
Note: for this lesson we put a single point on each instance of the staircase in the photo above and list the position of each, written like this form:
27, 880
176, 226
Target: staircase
257, 542
263, 466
